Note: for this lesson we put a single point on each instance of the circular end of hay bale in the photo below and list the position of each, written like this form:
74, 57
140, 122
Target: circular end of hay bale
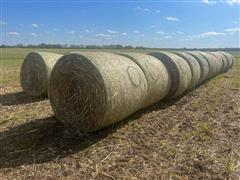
77, 92
213, 67
33, 75
194, 66
222, 60
179, 71
204, 65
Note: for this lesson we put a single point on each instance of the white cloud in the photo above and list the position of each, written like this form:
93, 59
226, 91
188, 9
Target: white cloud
233, 30
160, 32
33, 34
72, 32
111, 31
88, 31
180, 32
167, 37
171, 18
2, 23
55, 29
231, 2
35, 25
136, 32
211, 33
139, 8
209, 2
146, 10
124, 34
158, 11
79, 36
13, 33
103, 35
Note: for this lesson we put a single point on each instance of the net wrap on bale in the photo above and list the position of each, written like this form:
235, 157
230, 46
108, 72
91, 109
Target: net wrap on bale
230, 59
91, 90
223, 59
157, 76
179, 71
194, 66
204, 66
35, 72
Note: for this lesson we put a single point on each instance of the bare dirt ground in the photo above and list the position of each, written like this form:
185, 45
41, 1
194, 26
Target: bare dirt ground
194, 137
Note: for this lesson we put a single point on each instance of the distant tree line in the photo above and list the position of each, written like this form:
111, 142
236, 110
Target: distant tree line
113, 46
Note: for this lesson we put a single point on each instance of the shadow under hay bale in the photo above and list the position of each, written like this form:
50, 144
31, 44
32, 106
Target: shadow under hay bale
43, 140
17, 99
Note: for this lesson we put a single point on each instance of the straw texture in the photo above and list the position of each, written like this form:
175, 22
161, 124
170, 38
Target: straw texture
179, 71
194, 66
223, 60
157, 76
91, 90
35, 72
204, 65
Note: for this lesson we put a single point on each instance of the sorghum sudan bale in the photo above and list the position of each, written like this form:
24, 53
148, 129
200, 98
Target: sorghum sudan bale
223, 60
194, 66
213, 67
157, 76
229, 58
179, 71
203, 65
91, 90
35, 72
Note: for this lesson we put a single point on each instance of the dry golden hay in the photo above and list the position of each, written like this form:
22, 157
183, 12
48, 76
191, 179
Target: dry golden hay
179, 71
194, 66
157, 76
35, 72
91, 90
204, 65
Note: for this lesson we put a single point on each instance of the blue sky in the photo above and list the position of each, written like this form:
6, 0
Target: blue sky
159, 23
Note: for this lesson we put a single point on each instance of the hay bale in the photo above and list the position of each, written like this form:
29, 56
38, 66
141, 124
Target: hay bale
222, 59
230, 59
35, 72
157, 76
213, 65
179, 71
194, 66
203, 65
91, 90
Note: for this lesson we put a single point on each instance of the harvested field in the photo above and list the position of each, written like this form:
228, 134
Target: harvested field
194, 137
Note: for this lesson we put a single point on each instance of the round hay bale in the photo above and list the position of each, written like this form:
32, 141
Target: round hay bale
179, 71
230, 59
194, 66
203, 65
91, 90
157, 76
213, 65
222, 59
35, 72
